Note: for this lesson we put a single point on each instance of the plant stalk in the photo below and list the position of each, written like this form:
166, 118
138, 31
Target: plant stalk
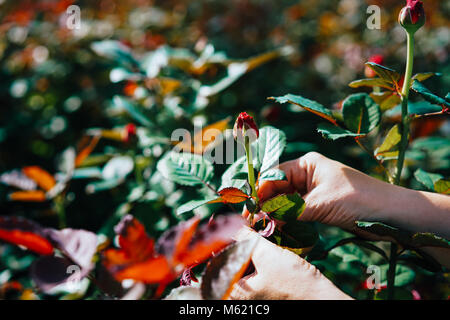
404, 125
251, 173
404, 129
391, 271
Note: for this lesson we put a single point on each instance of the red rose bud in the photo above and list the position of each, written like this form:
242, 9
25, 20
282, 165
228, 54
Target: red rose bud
245, 123
412, 16
378, 59
129, 132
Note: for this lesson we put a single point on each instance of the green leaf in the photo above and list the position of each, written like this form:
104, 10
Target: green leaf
428, 95
240, 176
269, 147
118, 168
87, 173
102, 185
325, 245
333, 132
418, 108
425, 76
132, 109
421, 259
426, 178
116, 51
272, 175
385, 73
296, 235
361, 113
286, 207
350, 253
386, 100
442, 186
186, 168
191, 205
309, 105
403, 275
399, 294
390, 143
237, 168
405, 238
373, 82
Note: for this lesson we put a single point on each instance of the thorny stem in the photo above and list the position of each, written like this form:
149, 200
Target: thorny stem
404, 129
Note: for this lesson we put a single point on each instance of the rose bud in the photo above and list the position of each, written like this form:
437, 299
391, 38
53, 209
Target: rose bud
245, 125
378, 59
412, 16
129, 132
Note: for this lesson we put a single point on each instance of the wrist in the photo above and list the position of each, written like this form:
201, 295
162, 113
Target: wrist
416, 211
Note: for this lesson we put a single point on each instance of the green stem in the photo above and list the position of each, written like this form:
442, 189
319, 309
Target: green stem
251, 173
404, 125
404, 130
60, 210
391, 271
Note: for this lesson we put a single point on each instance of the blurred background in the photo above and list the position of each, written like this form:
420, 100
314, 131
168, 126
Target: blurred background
57, 83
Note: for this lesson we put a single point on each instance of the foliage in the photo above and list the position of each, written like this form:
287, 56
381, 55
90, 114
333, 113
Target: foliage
88, 138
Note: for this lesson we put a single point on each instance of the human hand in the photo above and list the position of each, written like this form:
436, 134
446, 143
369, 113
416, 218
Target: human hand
282, 275
334, 193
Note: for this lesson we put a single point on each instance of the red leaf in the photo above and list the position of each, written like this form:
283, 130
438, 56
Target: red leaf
25, 233
175, 241
135, 245
231, 195
269, 229
178, 248
211, 238
154, 270
187, 277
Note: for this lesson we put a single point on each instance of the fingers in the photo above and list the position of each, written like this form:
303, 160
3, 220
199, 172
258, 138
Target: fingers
296, 175
296, 179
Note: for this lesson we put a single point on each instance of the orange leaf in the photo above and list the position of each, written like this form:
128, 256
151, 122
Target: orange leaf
179, 247
185, 238
86, 150
211, 238
44, 179
31, 196
155, 270
24, 233
231, 195
29, 240
203, 138
135, 245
